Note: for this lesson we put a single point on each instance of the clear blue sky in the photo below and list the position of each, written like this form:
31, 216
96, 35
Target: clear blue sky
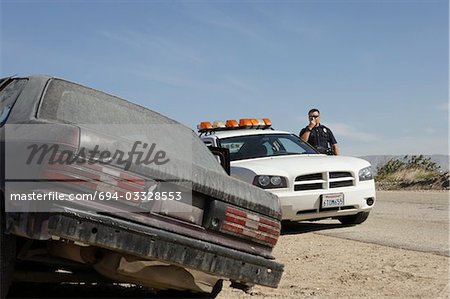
377, 70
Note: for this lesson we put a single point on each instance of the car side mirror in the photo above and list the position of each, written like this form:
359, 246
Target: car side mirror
223, 155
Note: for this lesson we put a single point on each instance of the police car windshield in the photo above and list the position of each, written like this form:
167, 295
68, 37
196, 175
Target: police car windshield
265, 145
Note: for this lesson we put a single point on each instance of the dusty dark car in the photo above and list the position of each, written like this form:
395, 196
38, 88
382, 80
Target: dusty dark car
96, 188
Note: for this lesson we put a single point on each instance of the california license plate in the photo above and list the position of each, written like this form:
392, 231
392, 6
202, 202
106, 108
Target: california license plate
332, 200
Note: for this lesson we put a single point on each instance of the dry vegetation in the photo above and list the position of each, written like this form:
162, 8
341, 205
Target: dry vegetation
415, 172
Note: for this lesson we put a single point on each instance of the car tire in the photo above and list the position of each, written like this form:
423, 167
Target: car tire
354, 219
7, 253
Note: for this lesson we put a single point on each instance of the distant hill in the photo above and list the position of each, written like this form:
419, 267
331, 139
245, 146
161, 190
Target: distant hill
380, 160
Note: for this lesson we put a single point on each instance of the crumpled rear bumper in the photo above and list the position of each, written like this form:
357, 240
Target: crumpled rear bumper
156, 244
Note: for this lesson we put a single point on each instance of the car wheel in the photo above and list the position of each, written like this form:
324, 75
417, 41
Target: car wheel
354, 219
7, 254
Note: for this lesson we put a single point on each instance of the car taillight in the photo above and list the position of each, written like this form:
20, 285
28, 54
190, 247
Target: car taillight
242, 223
96, 177
258, 228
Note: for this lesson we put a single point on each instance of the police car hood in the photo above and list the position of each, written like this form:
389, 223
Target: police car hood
294, 165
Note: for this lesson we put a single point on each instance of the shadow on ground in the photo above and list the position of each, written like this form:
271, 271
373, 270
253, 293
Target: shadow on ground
35, 290
294, 228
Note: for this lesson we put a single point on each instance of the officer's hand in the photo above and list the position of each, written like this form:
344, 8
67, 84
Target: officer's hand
312, 123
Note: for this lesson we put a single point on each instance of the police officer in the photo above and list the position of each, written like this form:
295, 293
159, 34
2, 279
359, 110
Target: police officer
318, 135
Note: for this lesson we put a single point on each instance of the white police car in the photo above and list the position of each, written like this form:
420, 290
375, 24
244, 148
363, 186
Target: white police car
310, 185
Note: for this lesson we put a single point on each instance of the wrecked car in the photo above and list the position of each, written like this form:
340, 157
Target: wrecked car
93, 185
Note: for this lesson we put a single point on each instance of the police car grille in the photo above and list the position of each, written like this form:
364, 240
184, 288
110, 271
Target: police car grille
309, 177
313, 181
318, 181
339, 179
340, 174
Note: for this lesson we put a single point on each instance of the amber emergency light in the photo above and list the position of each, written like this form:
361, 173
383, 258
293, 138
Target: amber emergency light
204, 126
231, 123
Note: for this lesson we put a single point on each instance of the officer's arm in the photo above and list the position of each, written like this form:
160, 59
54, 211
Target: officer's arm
305, 135
335, 149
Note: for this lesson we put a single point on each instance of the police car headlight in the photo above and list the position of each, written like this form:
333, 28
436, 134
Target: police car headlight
275, 180
365, 174
264, 180
270, 181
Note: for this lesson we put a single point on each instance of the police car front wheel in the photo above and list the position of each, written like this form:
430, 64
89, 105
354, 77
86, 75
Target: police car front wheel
354, 219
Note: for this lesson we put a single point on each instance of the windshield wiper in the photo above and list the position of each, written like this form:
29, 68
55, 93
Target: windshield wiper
287, 154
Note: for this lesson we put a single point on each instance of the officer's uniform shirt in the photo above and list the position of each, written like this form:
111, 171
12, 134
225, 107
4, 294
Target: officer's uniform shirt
320, 137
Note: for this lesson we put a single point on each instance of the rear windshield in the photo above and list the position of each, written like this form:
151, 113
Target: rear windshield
72, 103
9, 93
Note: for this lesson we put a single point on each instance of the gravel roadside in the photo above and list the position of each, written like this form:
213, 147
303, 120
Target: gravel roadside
318, 266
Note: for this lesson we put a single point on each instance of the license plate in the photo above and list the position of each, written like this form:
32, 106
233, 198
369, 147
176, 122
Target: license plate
332, 200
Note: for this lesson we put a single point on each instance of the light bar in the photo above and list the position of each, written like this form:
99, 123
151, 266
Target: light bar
244, 123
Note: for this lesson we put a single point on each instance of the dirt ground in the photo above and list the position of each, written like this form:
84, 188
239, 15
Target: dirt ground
318, 266
321, 266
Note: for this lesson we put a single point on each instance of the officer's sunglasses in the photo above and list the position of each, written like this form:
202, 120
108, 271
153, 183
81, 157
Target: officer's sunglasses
314, 116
